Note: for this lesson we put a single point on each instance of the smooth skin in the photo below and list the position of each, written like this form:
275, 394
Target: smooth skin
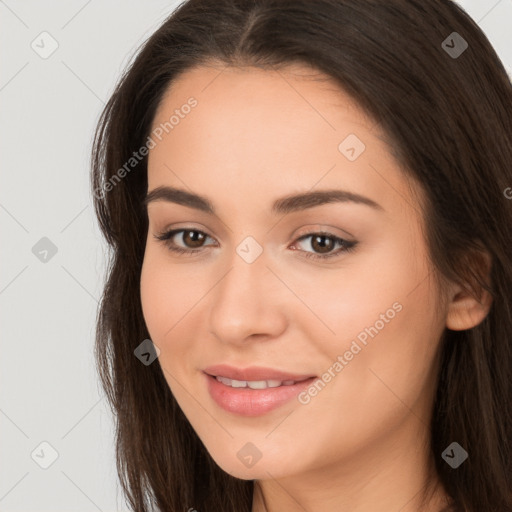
361, 444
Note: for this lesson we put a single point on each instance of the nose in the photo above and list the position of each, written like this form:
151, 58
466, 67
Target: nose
248, 302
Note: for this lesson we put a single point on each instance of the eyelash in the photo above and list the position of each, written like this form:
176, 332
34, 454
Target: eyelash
348, 246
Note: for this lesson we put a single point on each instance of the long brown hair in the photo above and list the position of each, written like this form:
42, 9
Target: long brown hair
449, 117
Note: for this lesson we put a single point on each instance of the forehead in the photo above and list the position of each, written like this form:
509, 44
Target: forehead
295, 90
266, 130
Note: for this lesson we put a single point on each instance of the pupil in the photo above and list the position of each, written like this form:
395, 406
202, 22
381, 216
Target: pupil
324, 247
193, 238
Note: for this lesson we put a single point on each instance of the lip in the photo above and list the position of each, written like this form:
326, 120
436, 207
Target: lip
252, 402
253, 373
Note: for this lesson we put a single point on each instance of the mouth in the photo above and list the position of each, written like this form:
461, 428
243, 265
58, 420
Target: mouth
251, 397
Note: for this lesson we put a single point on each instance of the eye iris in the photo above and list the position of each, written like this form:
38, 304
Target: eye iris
193, 238
322, 245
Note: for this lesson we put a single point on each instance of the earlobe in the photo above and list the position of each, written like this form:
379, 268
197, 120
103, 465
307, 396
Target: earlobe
465, 310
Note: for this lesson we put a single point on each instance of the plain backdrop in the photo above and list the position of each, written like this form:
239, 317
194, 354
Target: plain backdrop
52, 410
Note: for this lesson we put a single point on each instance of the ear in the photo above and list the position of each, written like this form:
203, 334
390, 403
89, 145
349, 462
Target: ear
466, 309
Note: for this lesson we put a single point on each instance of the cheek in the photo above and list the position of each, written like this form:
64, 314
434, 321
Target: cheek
338, 303
168, 293
378, 315
381, 366
173, 297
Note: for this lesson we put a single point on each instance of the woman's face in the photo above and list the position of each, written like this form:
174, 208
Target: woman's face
277, 157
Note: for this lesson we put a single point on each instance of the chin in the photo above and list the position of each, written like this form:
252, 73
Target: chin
263, 469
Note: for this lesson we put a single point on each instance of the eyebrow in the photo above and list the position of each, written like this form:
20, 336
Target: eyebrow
284, 205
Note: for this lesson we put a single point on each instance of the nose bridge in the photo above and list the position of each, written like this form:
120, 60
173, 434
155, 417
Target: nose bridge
247, 267
243, 303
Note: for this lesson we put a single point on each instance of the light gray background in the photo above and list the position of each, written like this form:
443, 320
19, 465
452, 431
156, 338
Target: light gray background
49, 391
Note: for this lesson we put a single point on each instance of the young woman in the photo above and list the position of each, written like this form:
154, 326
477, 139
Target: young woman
307, 306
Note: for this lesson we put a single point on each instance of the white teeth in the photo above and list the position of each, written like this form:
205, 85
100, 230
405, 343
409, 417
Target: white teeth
254, 384
238, 383
257, 384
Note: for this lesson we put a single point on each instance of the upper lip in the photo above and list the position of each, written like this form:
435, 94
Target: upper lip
253, 373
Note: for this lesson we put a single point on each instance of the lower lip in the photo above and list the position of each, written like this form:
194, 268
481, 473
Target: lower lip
252, 402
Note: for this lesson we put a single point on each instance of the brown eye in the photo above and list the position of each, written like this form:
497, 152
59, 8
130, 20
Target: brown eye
181, 241
322, 243
193, 239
